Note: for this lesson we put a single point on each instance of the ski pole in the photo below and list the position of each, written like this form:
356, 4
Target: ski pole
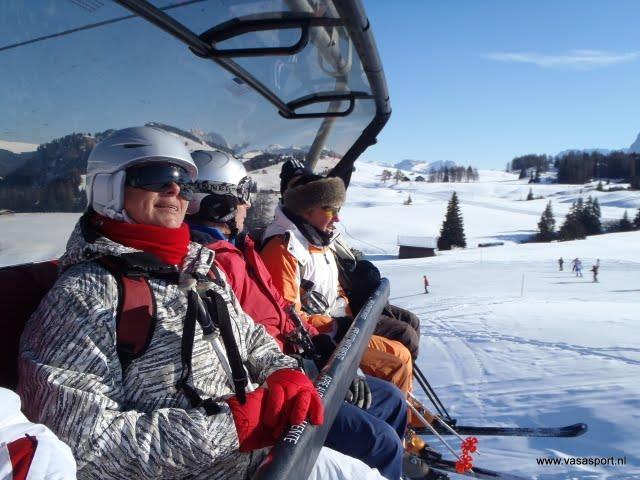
433, 430
443, 423
424, 383
429, 395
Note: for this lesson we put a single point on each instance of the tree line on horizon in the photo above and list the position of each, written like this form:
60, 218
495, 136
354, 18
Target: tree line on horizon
577, 167
457, 174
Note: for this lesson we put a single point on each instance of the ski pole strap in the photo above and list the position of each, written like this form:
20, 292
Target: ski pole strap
188, 335
223, 321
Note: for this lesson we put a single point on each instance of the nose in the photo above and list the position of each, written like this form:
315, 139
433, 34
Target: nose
172, 189
335, 218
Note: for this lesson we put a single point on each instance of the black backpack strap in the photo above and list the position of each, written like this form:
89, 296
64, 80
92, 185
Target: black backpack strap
214, 276
188, 335
218, 307
136, 315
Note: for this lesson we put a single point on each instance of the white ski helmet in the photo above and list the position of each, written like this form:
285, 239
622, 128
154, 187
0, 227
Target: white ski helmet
219, 173
122, 149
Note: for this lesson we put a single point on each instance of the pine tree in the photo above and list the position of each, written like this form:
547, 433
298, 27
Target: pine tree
530, 196
408, 201
636, 221
452, 231
590, 217
446, 174
572, 227
536, 178
547, 225
523, 173
600, 188
625, 224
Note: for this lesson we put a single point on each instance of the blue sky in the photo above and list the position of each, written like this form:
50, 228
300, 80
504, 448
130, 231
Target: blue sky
480, 82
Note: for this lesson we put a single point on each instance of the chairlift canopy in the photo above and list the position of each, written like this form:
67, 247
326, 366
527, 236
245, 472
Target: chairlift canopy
298, 77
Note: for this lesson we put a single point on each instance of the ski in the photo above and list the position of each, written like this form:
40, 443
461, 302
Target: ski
448, 466
574, 430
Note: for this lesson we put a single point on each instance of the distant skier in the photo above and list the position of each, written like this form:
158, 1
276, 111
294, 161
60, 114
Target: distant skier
594, 270
426, 284
574, 262
560, 263
578, 267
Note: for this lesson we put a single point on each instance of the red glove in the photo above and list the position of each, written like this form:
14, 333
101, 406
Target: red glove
291, 399
253, 433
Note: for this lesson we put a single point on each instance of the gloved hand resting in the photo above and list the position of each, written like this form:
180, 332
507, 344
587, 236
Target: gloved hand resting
324, 347
292, 398
359, 393
249, 418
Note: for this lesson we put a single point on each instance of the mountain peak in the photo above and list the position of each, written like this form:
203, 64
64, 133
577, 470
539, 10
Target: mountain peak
635, 146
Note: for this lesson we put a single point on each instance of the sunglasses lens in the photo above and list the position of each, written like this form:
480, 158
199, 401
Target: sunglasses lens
331, 211
158, 177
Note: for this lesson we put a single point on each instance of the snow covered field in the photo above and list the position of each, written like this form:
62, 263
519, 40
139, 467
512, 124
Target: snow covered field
507, 338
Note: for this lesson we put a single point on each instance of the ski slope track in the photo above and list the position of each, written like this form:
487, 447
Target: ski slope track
507, 339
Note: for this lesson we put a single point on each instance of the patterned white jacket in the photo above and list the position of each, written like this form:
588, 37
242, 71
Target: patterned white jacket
134, 424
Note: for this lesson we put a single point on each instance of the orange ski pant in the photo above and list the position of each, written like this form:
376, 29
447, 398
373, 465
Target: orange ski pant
389, 360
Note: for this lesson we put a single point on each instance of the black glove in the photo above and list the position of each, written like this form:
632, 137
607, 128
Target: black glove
359, 393
365, 279
343, 324
324, 347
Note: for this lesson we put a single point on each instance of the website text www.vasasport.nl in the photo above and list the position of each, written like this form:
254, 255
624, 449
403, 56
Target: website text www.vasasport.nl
593, 461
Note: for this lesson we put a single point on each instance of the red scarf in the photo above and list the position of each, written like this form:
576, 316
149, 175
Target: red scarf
168, 244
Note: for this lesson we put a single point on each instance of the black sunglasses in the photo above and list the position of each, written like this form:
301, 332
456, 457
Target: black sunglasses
156, 177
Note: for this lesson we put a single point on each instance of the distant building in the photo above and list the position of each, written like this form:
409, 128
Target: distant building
417, 247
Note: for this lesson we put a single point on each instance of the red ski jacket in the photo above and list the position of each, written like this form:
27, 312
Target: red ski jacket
251, 282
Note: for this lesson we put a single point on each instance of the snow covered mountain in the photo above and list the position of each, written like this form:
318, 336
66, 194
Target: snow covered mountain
635, 146
420, 166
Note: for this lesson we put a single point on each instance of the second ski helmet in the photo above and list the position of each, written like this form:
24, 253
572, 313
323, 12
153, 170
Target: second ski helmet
109, 159
221, 185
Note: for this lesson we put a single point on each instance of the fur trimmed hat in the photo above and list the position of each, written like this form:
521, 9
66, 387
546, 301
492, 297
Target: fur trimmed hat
311, 191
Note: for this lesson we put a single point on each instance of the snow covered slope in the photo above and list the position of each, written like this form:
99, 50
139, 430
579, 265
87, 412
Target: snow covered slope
507, 339
494, 209
18, 147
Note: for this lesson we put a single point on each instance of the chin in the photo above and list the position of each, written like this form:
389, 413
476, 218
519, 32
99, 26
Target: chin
169, 221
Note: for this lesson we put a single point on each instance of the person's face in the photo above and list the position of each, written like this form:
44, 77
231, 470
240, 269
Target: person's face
323, 218
241, 214
162, 209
